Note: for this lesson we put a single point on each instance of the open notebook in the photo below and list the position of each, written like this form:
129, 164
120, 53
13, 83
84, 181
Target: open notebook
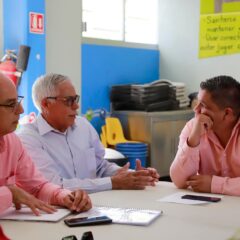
130, 216
25, 214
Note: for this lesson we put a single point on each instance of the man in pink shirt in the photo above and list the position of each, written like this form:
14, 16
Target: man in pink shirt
20, 181
208, 157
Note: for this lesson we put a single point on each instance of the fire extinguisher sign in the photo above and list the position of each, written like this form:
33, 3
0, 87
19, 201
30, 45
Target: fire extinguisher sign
36, 23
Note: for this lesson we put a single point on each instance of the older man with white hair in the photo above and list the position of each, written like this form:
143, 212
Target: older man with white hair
67, 149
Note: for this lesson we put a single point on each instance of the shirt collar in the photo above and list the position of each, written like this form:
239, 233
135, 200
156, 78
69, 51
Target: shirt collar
237, 125
45, 128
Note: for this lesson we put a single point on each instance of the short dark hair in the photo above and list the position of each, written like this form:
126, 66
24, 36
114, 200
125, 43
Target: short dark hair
225, 92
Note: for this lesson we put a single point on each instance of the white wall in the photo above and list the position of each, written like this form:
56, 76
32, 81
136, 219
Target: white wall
63, 38
178, 44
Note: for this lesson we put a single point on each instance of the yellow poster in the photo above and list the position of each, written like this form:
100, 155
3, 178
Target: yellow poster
219, 34
219, 28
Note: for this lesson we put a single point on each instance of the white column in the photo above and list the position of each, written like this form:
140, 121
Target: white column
63, 39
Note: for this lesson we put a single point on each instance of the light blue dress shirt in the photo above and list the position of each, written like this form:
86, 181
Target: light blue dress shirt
73, 159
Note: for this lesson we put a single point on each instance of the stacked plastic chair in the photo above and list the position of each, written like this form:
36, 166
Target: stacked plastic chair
103, 137
159, 95
114, 132
131, 149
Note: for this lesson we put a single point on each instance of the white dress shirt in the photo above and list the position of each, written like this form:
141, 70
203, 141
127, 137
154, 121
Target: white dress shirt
73, 159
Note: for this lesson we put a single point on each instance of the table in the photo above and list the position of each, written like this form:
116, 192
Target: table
210, 221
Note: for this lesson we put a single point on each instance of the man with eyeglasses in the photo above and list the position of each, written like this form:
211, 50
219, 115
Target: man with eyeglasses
20, 181
67, 149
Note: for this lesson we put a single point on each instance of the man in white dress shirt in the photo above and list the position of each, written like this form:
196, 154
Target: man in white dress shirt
67, 149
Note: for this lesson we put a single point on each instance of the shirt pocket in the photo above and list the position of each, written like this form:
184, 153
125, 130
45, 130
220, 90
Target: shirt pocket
86, 163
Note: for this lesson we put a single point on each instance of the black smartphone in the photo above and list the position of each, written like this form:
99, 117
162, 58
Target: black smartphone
85, 221
201, 198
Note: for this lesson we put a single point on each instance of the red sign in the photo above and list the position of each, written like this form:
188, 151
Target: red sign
36, 22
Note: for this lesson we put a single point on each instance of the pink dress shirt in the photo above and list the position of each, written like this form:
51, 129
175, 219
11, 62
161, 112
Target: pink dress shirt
209, 158
16, 167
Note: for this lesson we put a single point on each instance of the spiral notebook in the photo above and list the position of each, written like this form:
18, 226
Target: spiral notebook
132, 216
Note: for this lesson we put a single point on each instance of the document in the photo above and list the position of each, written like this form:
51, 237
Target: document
177, 198
26, 214
132, 216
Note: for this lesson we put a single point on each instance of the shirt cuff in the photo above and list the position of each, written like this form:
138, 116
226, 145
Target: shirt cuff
61, 195
217, 184
104, 184
6, 198
52, 193
188, 149
192, 153
89, 185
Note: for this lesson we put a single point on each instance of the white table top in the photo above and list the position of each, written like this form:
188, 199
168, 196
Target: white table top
211, 221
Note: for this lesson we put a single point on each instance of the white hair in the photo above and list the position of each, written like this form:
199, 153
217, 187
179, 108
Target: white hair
45, 86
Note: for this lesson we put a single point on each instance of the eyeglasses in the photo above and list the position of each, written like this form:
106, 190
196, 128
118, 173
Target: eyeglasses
68, 101
15, 105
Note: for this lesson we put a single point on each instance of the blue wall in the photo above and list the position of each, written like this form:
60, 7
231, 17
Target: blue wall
16, 32
104, 66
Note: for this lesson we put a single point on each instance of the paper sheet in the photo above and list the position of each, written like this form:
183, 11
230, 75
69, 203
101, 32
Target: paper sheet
176, 198
26, 214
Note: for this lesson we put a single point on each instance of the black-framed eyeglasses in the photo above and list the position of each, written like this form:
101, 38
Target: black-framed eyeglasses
15, 105
68, 101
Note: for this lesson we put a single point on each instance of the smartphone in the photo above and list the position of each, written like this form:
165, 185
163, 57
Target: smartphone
201, 198
85, 221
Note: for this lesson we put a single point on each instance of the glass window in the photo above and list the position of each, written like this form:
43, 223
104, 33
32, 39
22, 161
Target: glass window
104, 19
141, 21
123, 20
